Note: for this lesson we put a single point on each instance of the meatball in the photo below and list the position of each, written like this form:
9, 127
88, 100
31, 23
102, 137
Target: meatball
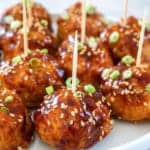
31, 75
127, 89
16, 129
11, 36
91, 57
123, 39
72, 121
71, 22
39, 13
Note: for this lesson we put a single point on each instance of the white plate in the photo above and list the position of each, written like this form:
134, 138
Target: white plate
124, 136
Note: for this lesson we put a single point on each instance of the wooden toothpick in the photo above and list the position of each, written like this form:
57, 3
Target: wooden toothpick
29, 10
83, 21
75, 63
141, 41
25, 27
125, 11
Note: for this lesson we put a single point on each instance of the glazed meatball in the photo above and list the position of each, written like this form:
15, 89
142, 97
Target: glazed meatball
31, 75
39, 13
72, 121
127, 89
11, 32
91, 57
16, 129
123, 39
71, 22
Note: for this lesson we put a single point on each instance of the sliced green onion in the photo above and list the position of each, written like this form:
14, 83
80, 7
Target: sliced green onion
79, 94
114, 75
90, 10
92, 42
114, 37
8, 19
80, 46
65, 16
147, 88
4, 109
16, 60
127, 74
147, 25
29, 51
89, 89
49, 90
16, 24
127, 60
44, 22
44, 51
106, 73
69, 82
35, 62
8, 99
104, 20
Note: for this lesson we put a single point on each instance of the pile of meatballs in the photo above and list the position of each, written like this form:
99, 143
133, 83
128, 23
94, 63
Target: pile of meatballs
109, 84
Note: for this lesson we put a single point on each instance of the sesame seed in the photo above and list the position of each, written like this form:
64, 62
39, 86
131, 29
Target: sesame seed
73, 113
145, 104
25, 78
63, 106
61, 115
82, 123
11, 114
71, 122
76, 110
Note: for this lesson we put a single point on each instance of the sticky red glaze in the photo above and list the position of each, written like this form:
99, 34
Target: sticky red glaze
68, 122
90, 61
128, 38
16, 129
30, 83
11, 41
128, 98
94, 23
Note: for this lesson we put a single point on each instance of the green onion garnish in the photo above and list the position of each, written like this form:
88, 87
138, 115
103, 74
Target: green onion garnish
114, 75
80, 46
127, 74
92, 42
79, 94
35, 62
49, 90
16, 24
8, 99
44, 51
44, 22
127, 60
147, 25
106, 73
16, 60
65, 16
90, 9
69, 82
89, 89
114, 37
4, 109
147, 88
8, 19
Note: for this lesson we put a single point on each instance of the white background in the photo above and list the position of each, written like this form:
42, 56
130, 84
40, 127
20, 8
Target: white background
112, 8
